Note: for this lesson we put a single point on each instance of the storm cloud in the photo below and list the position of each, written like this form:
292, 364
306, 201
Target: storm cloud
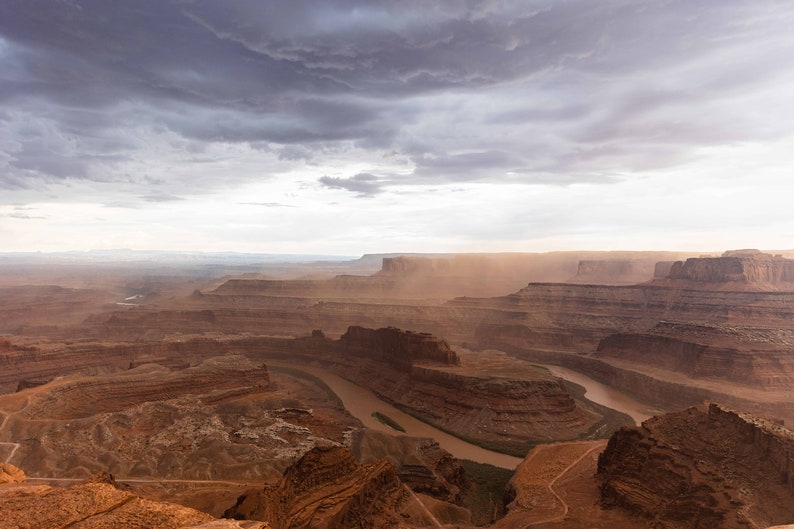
167, 99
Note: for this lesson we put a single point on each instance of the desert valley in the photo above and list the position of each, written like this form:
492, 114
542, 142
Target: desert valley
556, 390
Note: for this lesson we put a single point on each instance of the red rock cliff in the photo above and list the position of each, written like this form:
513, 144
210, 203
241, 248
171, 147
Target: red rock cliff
702, 467
399, 348
744, 269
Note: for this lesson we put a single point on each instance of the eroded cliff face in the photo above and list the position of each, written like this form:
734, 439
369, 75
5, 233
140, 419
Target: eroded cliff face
327, 488
737, 270
422, 374
420, 463
707, 466
397, 347
749, 356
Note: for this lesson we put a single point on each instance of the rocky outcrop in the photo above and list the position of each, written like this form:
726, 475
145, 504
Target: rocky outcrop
397, 347
704, 467
11, 474
420, 463
739, 269
328, 489
501, 412
97, 504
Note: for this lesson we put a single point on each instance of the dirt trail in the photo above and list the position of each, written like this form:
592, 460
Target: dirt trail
540, 472
6, 415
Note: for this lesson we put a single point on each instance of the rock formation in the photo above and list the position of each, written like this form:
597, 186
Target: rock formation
423, 375
707, 466
737, 270
420, 463
221, 420
11, 474
328, 489
397, 347
749, 356
215, 380
99, 504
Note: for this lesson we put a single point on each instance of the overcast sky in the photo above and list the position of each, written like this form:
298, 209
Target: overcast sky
345, 127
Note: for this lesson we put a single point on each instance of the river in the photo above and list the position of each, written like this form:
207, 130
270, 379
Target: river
361, 403
605, 395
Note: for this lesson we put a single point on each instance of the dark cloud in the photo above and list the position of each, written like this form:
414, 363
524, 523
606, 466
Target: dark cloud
534, 92
363, 184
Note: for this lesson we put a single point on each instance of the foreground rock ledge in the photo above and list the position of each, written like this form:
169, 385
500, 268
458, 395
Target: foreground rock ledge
707, 466
98, 504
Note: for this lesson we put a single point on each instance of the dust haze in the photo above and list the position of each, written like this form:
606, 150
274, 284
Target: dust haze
405, 390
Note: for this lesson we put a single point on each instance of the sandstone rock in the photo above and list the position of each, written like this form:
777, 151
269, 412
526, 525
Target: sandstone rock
328, 489
420, 463
11, 474
397, 347
95, 504
758, 357
740, 269
704, 467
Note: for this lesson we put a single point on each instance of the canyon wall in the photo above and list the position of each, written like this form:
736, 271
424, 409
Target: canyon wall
328, 488
747, 356
704, 467
397, 347
740, 270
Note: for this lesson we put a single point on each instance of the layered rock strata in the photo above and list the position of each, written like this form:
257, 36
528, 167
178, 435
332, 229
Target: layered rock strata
736, 270
707, 466
99, 504
220, 420
420, 463
328, 489
750, 356
501, 412
397, 347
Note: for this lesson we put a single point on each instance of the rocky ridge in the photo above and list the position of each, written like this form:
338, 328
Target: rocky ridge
327, 488
397, 347
707, 466
99, 503
736, 270
749, 356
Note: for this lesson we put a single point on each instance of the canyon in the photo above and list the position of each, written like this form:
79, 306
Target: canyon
202, 389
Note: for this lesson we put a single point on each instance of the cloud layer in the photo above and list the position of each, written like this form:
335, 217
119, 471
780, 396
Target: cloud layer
151, 103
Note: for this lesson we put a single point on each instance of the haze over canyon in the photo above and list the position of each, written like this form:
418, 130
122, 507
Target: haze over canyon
568, 389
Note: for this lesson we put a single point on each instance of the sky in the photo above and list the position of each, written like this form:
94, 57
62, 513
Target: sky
345, 127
